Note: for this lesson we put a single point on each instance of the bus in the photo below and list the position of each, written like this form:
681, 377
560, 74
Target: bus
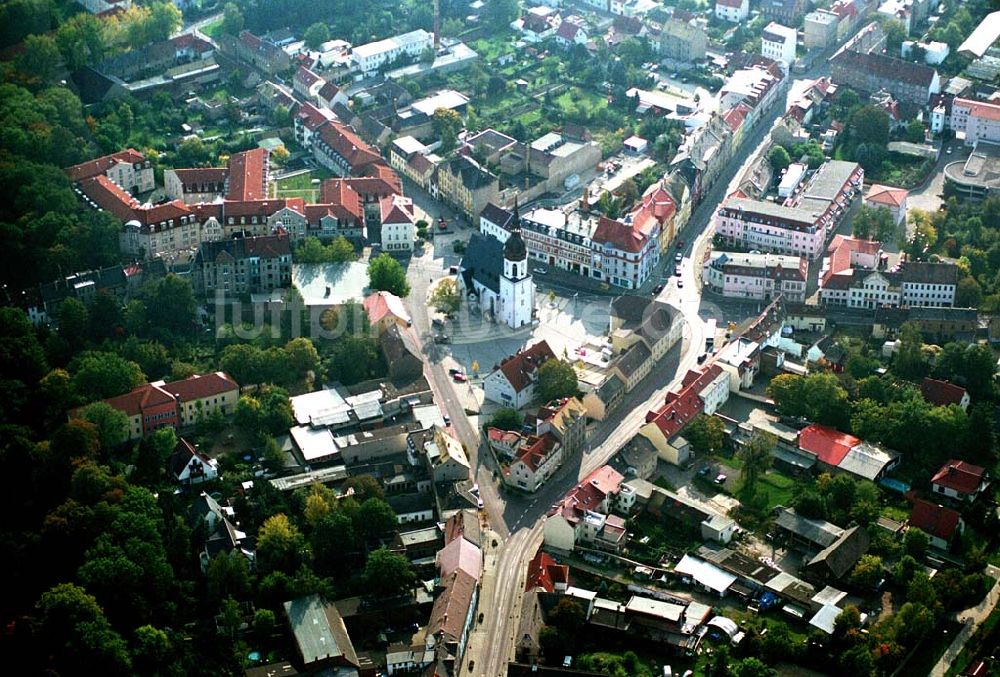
710, 330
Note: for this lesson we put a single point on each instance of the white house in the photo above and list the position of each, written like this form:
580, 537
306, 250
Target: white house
371, 57
536, 460
398, 230
960, 480
512, 384
189, 466
778, 42
733, 11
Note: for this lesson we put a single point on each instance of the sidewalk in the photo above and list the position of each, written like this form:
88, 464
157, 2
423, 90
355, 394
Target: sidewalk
972, 618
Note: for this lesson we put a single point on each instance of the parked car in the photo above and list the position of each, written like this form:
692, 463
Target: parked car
677, 271
539, 271
680, 244
721, 478
437, 322
441, 338
453, 371
680, 284
678, 257
460, 377
657, 289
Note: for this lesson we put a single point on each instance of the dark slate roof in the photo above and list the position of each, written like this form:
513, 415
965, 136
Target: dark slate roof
497, 215
483, 262
472, 174
397, 343
841, 556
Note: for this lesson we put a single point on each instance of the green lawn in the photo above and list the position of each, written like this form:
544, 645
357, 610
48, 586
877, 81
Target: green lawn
213, 29
301, 185
779, 489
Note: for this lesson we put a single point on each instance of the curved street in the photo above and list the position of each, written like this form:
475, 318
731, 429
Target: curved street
516, 520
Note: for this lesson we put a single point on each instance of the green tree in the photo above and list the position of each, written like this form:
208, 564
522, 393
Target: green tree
810, 504
446, 297
316, 35
874, 223
506, 419
340, 250
354, 359
264, 623
386, 274
74, 322
173, 303
868, 572
280, 546
779, 159
706, 434
364, 487
751, 667
152, 650
969, 293
500, 13
334, 542
232, 19
40, 58
909, 361
164, 20
78, 633
302, 356
228, 575
912, 623
374, 518
895, 33
557, 379
916, 543
757, 456
447, 123
870, 124
112, 425
97, 375
915, 131
387, 573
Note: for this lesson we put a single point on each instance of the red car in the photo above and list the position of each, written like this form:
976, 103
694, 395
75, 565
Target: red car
459, 377
680, 244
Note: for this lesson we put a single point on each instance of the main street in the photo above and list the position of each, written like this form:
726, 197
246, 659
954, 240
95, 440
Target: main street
517, 520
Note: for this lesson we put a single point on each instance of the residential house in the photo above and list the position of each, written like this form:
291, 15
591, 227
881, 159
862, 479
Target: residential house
128, 169
220, 530
398, 229
701, 392
256, 51
908, 82
893, 199
757, 276
820, 29
624, 255
942, 393
978, 120
566, 420
249, 265
385, 309
683, 38
188, 465
466, 185
734, 11
572, 31
642, 330
961, 481
778, 42
445, 456
460, 555
331, 96
374, 56
837, 451
545, 574
196, 185
512, 383
452, 615
307, 84
836, 560
320, 635
787, 12
582, 515
307, 122
941, 524
177, 404
534, 462
403, 357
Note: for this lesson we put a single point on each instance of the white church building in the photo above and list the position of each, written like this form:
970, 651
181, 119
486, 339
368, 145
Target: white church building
497, 276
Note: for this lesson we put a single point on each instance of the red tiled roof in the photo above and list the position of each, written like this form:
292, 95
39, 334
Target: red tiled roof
340, 194
383, 172
934, 520
544, 573
735, 116
589, 493
536, 449
348, 145
568, 30
199, 387
260, 208
396, 209
521, 368
840, 250
960, 476
621, 236
328, 91
460, 555
306, 77
146, 395
941, 393
163, 212
887, 195
91, 168
681, 407
206, 210
508, 437
979, 109
313, 117
382, 304
247, 175
828, 444
107, 195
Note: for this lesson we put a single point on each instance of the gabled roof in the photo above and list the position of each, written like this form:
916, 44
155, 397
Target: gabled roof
396, 209
887, 67
107, 195
521, 368
247, 175
544, 573
934, 520
182, 455
840, 556
482, 262
460, 555
306, 77
145, 396
622, 236
91, 168
451, 607
960, 476
328, 91
588, 494
342, 139
828, 444
498, 215
263, 246
941, 393
199, 387
887, 195
681, 407
319, 631
463, 524
382, 304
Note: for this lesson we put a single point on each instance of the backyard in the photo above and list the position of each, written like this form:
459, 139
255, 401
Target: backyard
301, 184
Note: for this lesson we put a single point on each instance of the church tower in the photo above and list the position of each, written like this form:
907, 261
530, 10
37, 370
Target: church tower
517, 290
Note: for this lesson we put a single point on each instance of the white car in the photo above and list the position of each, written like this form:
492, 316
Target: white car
678, 257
